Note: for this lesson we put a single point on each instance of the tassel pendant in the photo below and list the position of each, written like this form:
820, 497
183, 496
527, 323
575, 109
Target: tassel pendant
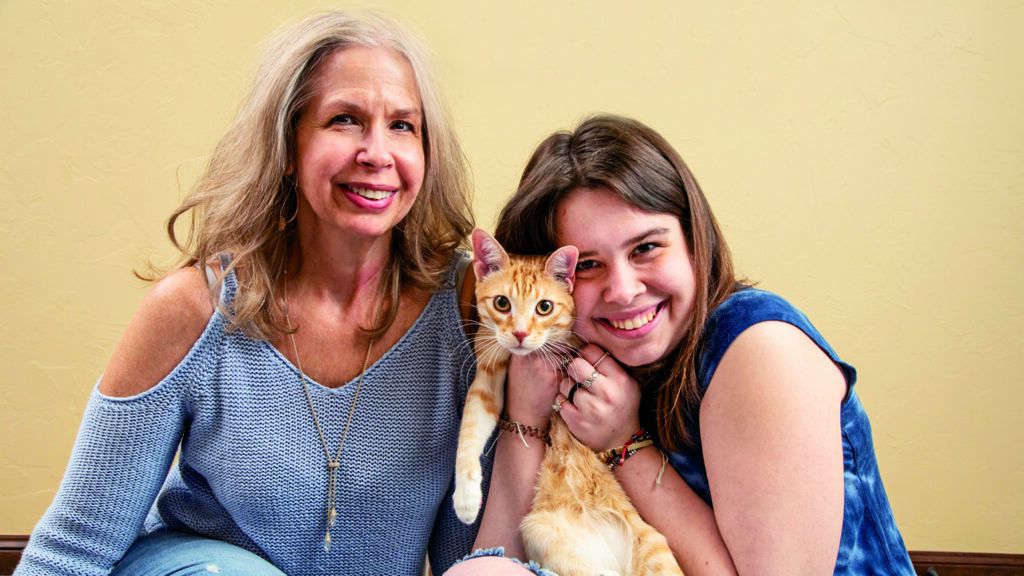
332, 495
333, 464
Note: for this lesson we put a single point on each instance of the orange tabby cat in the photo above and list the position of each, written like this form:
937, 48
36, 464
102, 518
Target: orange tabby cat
524, 305
581, 522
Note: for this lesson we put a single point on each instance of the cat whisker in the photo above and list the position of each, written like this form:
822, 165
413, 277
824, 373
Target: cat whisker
468, 322
468, 365
582, 341
562, 353
563, 348
490, 351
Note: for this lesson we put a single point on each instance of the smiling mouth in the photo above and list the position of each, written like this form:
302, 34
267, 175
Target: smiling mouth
371, 194
636, 322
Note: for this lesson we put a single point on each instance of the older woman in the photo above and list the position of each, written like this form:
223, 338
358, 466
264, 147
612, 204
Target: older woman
306, 356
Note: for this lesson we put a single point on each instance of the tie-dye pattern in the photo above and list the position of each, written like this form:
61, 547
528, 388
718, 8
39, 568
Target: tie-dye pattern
871, 543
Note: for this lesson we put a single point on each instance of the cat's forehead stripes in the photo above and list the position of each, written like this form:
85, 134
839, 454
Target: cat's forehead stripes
527, 272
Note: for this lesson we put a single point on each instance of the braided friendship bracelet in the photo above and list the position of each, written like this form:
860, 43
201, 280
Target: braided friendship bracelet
524, 430
616, 457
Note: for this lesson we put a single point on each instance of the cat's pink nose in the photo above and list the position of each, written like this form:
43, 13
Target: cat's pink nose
520, 336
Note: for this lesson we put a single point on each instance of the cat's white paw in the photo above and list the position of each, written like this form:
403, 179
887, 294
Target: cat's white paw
467, 499
607, 572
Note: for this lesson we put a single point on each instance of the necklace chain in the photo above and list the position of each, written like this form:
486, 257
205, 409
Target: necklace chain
333, 464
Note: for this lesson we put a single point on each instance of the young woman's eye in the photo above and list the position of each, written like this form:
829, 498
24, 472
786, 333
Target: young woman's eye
544, 307
645, 248
501, 304
584, 265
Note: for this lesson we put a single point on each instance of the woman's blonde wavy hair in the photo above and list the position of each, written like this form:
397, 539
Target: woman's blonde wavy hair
239, 201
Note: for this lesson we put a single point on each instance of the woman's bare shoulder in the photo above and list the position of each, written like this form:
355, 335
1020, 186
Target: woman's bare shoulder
170, 319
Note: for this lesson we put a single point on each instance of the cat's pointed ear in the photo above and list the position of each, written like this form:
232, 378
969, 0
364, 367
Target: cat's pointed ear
488, 255
561, 265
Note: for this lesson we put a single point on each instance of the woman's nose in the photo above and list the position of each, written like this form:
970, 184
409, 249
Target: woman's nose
375, 152
623, 284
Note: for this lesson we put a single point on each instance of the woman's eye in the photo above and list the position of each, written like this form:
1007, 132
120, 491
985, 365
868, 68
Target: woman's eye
584, 265
544, 307
501, 304
343, 119
403, 126
645, 248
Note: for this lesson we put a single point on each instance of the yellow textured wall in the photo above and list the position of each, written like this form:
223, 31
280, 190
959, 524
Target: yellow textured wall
866, 160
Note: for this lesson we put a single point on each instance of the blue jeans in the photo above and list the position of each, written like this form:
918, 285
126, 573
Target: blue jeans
499, 552
170, 553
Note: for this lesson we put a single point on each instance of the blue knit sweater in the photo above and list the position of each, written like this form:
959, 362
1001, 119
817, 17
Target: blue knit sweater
251, 469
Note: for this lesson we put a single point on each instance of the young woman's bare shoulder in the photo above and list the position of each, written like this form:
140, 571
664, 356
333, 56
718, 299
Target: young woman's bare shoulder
170, 319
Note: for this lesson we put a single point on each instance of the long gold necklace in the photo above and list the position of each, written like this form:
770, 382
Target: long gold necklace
333, 464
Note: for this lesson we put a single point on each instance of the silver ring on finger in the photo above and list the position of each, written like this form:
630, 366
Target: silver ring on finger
590, 380
557, 405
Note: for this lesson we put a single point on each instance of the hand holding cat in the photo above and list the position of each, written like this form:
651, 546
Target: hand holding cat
607, 413
529, 401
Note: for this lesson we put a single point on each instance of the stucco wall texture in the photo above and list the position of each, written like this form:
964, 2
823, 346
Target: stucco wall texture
864, 158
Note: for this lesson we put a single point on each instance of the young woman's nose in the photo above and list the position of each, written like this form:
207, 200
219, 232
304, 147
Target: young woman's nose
623, 284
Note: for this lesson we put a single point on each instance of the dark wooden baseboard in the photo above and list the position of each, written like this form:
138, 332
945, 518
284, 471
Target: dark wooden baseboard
967, 564
926, 563
11, 546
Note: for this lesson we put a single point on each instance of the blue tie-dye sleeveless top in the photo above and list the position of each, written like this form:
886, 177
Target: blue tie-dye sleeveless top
871, 542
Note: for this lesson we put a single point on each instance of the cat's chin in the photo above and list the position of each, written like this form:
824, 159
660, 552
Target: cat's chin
522, 350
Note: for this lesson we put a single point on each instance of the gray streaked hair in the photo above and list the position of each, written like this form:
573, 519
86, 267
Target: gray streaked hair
236, 205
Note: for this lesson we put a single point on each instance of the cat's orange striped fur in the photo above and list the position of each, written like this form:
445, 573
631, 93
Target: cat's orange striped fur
581, 522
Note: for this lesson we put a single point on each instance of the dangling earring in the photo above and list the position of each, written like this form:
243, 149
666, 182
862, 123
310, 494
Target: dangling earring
292, 194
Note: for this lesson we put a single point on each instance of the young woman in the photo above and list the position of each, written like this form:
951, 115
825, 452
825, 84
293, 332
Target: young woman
301, 355
772, 465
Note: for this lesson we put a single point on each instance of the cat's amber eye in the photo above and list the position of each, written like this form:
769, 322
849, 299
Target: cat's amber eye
501, 304
544, 307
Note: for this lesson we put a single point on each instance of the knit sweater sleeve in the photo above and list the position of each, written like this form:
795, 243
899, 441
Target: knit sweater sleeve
451, 539
119, 461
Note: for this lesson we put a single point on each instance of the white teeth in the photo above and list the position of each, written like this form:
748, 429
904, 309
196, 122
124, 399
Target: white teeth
371, 194
638, 321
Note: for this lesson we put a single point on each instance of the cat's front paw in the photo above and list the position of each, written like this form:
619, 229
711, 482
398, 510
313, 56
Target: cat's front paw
467, 499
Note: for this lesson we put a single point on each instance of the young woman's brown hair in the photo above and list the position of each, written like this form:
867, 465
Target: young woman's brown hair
635, 162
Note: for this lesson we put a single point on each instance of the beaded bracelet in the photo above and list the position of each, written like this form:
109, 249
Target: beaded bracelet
524, 430
617, 456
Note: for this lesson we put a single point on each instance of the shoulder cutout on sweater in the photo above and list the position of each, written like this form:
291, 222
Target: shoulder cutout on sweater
169, 321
